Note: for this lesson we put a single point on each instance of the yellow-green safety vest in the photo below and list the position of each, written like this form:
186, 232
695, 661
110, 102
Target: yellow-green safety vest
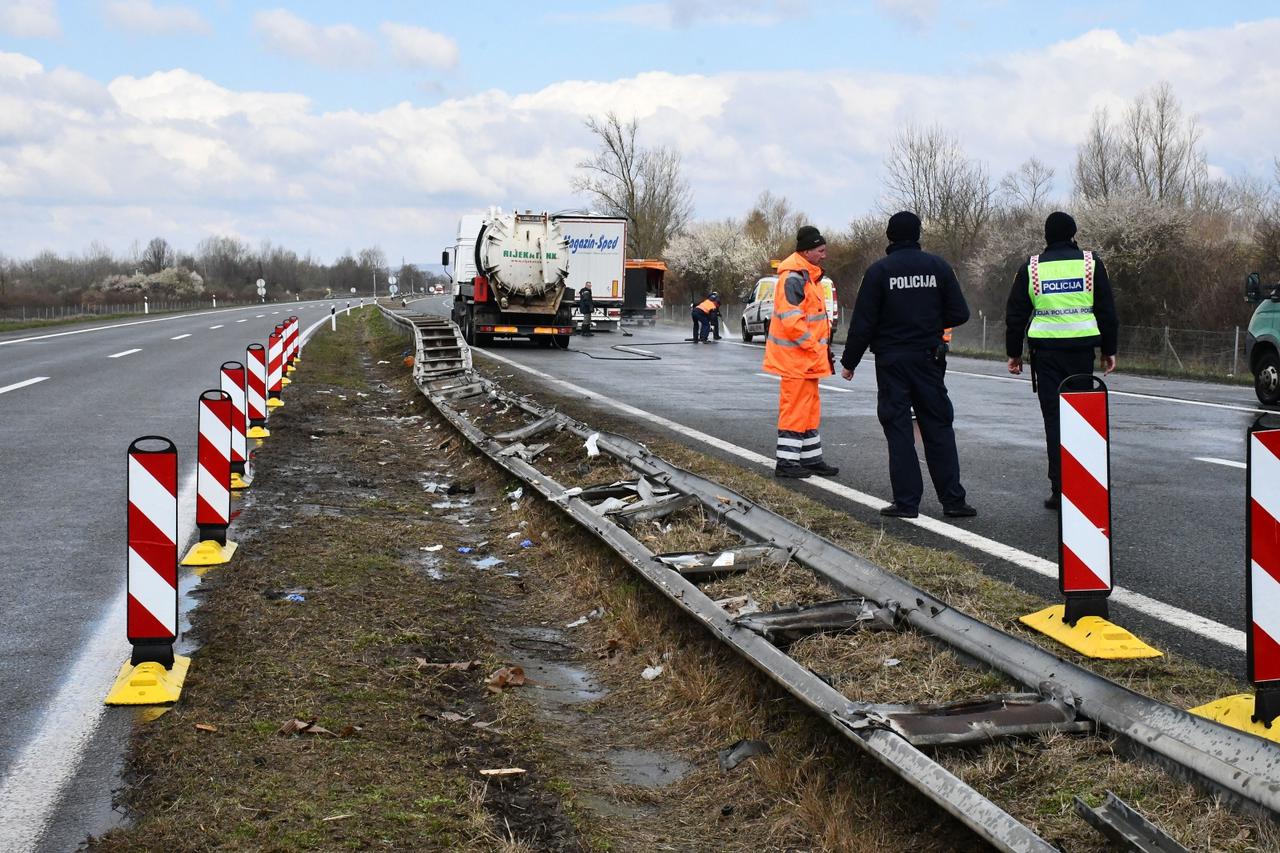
1062, 298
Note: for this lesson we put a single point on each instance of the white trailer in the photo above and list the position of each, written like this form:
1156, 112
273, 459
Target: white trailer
597, 254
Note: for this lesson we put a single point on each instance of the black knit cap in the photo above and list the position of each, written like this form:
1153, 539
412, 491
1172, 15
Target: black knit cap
808, 238
1058, 227
904, 226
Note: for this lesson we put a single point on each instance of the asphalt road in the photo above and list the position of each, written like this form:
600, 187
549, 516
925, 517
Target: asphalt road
63, 441
1178, 527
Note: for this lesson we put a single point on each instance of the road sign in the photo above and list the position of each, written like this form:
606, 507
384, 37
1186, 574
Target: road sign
391, 280
394, 290
353, 290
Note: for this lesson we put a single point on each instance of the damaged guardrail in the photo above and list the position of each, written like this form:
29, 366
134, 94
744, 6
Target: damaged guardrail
1066, 697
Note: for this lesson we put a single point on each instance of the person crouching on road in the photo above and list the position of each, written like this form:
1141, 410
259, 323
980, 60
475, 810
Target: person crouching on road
798, 349
585, 308
906, 300
706, 318
1065, 296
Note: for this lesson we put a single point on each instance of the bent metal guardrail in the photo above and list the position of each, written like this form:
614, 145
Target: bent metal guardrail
1243, 768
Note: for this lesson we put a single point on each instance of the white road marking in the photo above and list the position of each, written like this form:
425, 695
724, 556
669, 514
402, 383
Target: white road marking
274, 313
1230, 463
245, 320
1134, 394
823, 385
33, 784
1188, 621
118, 326
256, 316
180, 337
219, 326
23, 384
126, 352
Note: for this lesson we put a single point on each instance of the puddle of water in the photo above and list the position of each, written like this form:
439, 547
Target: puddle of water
646, 768
544, 653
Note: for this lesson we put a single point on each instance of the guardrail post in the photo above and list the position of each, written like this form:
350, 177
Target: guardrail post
1084, 530
233, 382
213, 481
153, 674
275, 370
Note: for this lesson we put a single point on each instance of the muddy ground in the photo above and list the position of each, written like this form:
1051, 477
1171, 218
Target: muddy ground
387, 588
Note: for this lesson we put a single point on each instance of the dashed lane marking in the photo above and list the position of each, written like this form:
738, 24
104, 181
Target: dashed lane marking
1168, 613
219, 326
125, 352
1213, 460
23, 384
180, 337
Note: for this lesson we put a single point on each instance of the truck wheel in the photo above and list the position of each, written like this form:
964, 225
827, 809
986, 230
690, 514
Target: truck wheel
560, 341
1266, 380
746, 336
468, 326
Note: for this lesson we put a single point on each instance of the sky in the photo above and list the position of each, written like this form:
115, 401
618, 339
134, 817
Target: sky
327, 127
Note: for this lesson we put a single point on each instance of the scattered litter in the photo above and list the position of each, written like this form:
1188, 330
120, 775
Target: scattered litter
296, 597
460, 665
465, 549
891, 661
481, 724
434, 573
652, 672
503, 771
454, 717
383, 361
488, 563
285, 594
463, 504
739, 605
513, 534
592, 444
736, 753
338, 816
579, 622
303, 727
205, 727
507, 676
315, 438
361, 394
431, 548
610, 651
516, 493
511, 575
526, 543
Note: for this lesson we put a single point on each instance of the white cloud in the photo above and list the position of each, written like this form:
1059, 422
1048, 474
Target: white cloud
143, 16
682, 14
80, 161
419, 46
337, 45
29, 19
913, 14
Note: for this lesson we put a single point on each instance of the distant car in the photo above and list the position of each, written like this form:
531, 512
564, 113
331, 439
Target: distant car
759, 307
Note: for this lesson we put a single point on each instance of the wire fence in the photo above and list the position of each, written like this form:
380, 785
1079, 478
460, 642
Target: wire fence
26, 313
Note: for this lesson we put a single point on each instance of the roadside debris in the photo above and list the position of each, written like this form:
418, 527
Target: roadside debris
303, 727
205, 727
735, 754
431, 548
582, 620
488, 563
652, 672
739, 605
461, 665
507, 676
502, 772
592, 444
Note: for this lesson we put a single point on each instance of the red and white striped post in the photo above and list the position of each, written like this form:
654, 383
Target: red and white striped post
275, 368
255, 391
297, 340
152, 532
291, 342
233, 382
1084, 519
1262, 580
213, 481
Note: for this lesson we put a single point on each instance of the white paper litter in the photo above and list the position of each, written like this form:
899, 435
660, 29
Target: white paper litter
431, 548
515, 494
891, 661
651, 672
591, 444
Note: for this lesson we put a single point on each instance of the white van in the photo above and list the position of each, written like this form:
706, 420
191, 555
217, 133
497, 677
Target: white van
759, 307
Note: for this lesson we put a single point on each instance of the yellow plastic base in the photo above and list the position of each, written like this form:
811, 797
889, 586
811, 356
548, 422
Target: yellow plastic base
291, 368
285, 381
149, 683
275, 403
258, 432
1092, 636
1235, 711
238, 482
209, 553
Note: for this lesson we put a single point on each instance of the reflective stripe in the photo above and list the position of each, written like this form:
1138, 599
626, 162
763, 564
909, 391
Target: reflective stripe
1060, 312
813, 318
1037, 325
780, 342
781, 315
788, 455
791, 442
811, 454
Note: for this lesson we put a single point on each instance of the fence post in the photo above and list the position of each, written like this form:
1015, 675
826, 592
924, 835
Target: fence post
1235, 354
984, 332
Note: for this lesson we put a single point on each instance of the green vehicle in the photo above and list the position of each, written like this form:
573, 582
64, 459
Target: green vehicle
1262, 344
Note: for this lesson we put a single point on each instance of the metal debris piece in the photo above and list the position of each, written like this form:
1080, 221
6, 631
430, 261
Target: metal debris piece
739, 752
659, 507
977, 720
738, 606
710, 565
551, 421
786, 625
1126, 828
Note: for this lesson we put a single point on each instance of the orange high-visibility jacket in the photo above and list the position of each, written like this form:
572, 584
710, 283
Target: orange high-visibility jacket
708, 306
799, 330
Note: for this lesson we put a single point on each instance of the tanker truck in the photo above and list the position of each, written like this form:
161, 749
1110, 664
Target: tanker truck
509, 272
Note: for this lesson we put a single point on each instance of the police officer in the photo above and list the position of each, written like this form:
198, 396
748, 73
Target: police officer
1061, 300
906, 299
706, 318
585, 308
797, 349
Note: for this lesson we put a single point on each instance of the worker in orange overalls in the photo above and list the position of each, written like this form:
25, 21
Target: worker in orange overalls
706, 318
798, 349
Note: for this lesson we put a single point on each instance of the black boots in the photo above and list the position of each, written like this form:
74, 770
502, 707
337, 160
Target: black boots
899, 511
1054, 501
822, 469
961, 510
792, 471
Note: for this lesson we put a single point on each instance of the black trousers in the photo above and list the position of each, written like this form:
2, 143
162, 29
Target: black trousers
701, 324
1051, 366
907, 381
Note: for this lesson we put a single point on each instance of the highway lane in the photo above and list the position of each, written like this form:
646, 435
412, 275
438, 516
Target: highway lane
1178, 520
64, 439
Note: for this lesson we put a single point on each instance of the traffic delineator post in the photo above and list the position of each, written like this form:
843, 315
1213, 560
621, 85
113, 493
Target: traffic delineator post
153, 674
233, 382
255, 392
213, 482
1257, 712
290, 343
275, 366
297, 342
1084, 531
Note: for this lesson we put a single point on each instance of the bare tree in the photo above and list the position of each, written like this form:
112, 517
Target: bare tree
1100, 171
928, 173
1027, 188
645, 185
157, 256
773, 223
